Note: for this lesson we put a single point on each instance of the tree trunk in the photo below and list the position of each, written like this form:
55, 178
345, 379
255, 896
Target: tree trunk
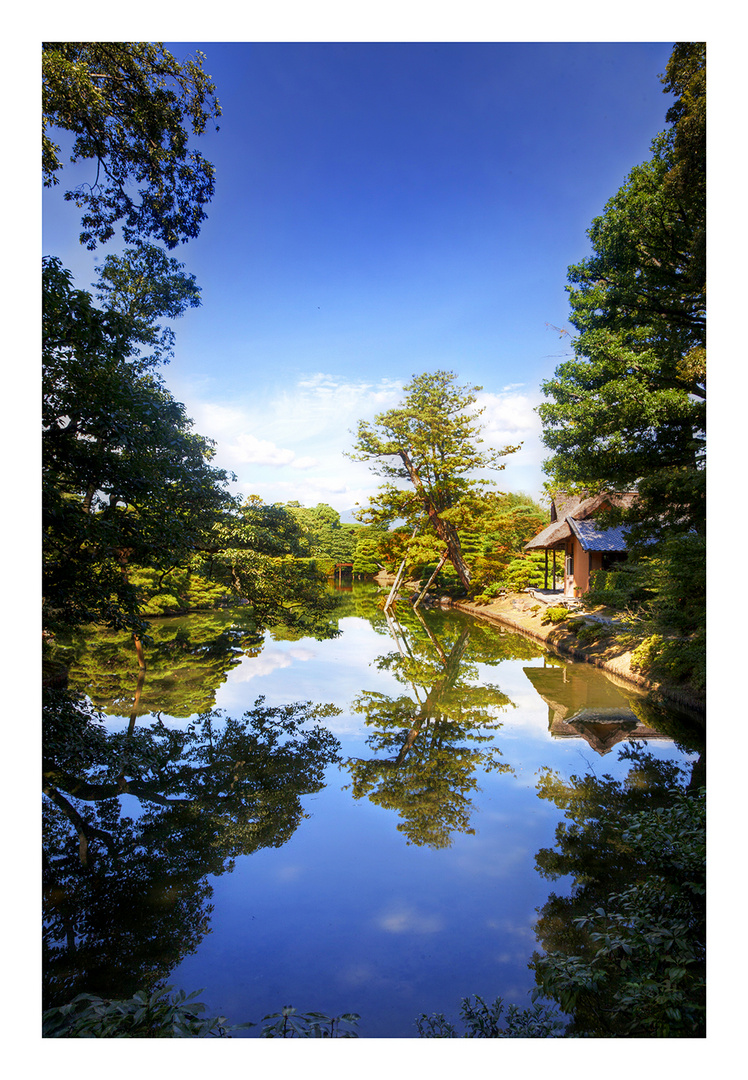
444, 530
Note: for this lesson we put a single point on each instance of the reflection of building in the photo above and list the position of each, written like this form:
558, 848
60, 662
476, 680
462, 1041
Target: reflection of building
587, 548
584, 703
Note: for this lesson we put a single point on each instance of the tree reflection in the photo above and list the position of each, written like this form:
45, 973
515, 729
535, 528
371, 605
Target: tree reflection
434, 737
624, 950
126, 890
187, 660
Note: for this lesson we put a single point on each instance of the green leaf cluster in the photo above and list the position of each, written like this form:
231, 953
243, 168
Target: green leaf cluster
625, 953
290, 1024
143, 1016
130, 108
628, 411
126, 479
484, 1020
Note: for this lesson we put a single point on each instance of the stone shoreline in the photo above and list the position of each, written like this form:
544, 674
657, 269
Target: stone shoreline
516, 612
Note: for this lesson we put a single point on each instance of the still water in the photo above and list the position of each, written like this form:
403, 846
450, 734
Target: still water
373, 851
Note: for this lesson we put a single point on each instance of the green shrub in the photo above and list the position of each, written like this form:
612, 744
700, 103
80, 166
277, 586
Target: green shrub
143, 1016
483, 1021
672, 660
524, 572
493, 589
554, 615
590, 633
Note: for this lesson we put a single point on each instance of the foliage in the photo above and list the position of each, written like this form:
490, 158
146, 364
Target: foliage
159, 1016
589, 633
143, 1016
326, 536
125, 477
494, 537
554, 615
178, 590
130, 107
367, 553
431, 441
127, 883
144, 286
662, 595
261, 553
672, 660
628, 411
313, 1025
484, 1021
625, 952
525, 571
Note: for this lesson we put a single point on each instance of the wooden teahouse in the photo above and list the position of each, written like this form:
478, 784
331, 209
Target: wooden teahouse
586, 547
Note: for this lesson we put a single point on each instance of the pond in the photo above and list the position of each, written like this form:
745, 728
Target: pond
350, 820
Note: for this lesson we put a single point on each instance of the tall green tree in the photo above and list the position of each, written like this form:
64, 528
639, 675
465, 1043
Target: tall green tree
629, 409
146, 287
431, 442
126, 479
130, 108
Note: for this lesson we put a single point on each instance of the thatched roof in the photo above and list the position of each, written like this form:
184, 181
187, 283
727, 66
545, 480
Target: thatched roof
566, 509
552, 536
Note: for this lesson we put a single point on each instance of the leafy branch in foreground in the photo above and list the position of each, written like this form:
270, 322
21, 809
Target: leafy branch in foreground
159, 1016
484, 1021
288, 1024
143, 1016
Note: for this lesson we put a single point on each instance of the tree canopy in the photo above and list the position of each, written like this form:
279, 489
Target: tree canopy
432, 442
125, 477
629, 410
130, 107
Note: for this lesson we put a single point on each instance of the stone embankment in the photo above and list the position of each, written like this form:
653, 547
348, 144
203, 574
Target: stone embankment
523, 613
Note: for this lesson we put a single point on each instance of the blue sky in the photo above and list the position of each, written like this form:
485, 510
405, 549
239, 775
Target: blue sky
384, 209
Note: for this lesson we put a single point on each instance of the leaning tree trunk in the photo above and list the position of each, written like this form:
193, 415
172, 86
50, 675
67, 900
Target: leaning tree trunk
444, 530
448, 534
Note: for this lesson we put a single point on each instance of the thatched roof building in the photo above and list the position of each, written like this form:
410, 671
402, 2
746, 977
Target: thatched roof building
574, 531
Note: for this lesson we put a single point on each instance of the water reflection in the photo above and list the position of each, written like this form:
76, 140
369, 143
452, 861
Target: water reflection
140, 817
125, 880
187, 660
435, 736
584, 703
624, 948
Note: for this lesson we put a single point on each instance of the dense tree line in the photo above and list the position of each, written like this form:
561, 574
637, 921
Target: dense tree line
628, 410
137, 521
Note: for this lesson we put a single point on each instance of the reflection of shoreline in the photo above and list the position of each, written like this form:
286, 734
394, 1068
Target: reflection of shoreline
584, 703
564, 645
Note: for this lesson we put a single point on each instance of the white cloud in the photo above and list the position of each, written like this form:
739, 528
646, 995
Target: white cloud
247, 449
508, 417
293, 444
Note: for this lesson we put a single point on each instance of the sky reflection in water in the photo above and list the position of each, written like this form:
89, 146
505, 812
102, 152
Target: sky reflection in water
347, 915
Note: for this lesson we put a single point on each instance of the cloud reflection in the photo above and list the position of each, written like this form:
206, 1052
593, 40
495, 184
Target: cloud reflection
407, 920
